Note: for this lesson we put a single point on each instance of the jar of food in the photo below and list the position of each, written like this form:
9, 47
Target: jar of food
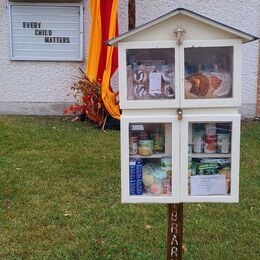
145, 147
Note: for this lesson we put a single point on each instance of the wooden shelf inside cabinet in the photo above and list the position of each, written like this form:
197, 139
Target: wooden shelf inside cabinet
210, 155
155, 155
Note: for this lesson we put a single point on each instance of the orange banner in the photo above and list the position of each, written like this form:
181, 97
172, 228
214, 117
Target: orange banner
103, 59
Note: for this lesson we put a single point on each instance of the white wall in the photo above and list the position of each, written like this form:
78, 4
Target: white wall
33, 87
42, 87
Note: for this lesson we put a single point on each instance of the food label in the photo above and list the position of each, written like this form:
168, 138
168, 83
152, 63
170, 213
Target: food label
210, 144
210, 129
197, 144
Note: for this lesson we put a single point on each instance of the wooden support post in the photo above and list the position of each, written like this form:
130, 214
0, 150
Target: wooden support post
258, 89
131, 14
174, 234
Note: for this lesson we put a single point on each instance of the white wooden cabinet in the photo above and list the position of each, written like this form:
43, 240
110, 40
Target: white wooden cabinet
181, 61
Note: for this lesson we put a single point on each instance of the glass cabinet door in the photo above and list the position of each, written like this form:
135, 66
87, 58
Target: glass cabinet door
210, 74
149, 160
149, 75
210, 167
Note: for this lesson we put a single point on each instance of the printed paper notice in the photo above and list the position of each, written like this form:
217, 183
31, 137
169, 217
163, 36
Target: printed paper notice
208, 185
155, 83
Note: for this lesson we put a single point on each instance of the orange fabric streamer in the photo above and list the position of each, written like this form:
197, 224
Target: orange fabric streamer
95, 40
102, 60
108, 96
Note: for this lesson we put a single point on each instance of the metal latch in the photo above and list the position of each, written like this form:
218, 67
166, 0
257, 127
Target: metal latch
179, 113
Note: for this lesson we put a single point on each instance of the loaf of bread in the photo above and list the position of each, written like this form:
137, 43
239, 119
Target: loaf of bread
201, 85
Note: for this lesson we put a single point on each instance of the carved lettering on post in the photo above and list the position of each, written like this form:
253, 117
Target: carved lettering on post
174, 239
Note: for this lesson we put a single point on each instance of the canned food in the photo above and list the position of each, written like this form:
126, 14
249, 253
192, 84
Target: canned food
210, 144
145, 151
158, 142
139, 170
166, 161
133, 145
166, 166
198, 128
132, 170
198, 142
146, 143
210, 129
207, 168
139, 187
168, 187
223, 143
189, 150
132, 187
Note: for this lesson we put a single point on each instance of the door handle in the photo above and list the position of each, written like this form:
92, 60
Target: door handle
179, 114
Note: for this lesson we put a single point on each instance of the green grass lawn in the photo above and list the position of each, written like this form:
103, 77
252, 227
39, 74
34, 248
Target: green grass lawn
60, 199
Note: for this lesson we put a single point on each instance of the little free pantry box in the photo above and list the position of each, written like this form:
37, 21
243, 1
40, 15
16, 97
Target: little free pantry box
180, 90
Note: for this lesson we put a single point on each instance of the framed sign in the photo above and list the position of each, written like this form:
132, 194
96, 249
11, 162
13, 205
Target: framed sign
46, 31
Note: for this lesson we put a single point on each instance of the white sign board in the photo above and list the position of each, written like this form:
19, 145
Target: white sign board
46, 31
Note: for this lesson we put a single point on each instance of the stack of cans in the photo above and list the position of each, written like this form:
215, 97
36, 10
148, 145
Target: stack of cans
135, 177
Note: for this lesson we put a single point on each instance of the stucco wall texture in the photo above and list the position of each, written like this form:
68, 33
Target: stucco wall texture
33, 87
37, 87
